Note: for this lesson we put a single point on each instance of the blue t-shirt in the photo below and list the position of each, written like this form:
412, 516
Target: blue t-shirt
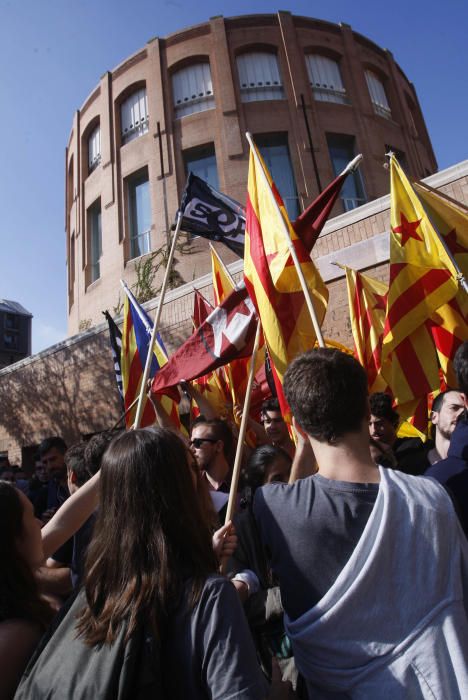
310, 529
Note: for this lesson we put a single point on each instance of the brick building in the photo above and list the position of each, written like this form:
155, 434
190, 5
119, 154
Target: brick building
15, 332
70, 388
312, 93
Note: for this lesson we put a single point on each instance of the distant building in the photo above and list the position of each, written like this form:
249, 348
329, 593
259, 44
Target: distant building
15, 332
312, 93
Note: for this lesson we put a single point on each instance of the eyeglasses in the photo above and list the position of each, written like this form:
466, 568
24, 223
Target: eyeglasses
198, 442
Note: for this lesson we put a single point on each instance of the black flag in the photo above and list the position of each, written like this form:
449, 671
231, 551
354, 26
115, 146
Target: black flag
115, 338
212, 214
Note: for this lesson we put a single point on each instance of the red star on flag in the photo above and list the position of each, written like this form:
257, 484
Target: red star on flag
380, 302
453, 244
407, 229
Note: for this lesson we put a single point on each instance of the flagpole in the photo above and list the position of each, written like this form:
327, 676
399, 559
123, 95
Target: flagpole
292, 250
242, 430
149, 357
124, 414
460, 277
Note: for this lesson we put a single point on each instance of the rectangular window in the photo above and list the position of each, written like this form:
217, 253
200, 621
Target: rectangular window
275, 152
11, 322
325, 79
134, 118
201, 161
94, 149
10, 341
193, 89
342, 151
259, 77
378, 95
139, 214
94, 240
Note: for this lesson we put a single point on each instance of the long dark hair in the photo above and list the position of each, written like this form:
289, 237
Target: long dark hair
19, 596
151, 537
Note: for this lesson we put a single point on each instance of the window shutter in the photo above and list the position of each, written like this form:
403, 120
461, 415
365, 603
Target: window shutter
192, 89
259, 77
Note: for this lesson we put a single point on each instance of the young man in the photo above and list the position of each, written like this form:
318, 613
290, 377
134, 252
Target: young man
371, 562
406, 454
452, 472
446, 409
211, 442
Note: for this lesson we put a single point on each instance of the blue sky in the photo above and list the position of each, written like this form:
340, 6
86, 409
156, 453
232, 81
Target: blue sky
53, 52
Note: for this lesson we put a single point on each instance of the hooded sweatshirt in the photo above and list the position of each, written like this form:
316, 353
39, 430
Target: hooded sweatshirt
394, 624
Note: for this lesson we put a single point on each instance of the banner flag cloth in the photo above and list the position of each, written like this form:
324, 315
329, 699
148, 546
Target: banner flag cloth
227, 333
271, 276
115, 339
212, 214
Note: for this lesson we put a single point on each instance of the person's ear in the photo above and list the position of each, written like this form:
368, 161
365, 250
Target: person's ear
73, 477
434, 417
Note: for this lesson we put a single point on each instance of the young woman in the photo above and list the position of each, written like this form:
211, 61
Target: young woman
24, 615
151, 564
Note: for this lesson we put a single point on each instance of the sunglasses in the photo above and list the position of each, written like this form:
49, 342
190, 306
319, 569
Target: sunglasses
198, 442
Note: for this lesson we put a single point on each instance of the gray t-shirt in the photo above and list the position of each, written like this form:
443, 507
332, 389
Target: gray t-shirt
310, 530
209, 652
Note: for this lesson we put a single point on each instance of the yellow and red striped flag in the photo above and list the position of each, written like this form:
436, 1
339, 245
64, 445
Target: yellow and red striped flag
271, 277
422, 276
448, 325
367, 298
422, 280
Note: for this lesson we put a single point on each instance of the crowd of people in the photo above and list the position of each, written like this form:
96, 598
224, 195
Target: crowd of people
343, 574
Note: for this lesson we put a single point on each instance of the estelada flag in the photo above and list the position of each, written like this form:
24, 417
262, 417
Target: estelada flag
422, 276
367, 299
227, 333
272, 279
448, 325
422, 280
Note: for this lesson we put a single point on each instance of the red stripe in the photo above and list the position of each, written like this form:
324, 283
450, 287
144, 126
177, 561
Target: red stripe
287, 307
373, 359
414, 295
412, 368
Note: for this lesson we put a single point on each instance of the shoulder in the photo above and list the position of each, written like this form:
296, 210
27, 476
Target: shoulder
18, 639
419, 490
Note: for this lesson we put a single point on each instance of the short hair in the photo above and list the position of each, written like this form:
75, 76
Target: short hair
95, 448
76, 463
258, 463
439, 400
220, 430
460, 365
327, 392
49, 443
270, 405
381, 406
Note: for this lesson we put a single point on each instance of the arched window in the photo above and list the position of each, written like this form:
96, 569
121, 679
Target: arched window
94, 148
259, 76
193, 89
134, 117
325, 79
378, 95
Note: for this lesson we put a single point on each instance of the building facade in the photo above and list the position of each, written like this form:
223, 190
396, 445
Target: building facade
15, 332
312, 93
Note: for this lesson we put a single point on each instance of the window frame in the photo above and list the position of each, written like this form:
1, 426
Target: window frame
254, 91
133, 181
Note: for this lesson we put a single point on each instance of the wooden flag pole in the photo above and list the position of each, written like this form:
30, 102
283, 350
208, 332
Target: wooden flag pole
149, 357
292, 250
242, 430
124, 414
